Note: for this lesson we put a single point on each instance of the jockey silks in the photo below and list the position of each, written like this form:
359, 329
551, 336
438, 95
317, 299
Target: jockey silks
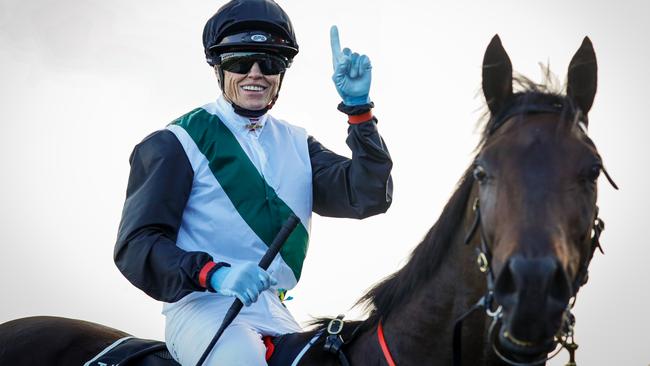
246, 184
210, 187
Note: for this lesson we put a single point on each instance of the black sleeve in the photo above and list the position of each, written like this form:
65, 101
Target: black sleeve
357, 187
159, 185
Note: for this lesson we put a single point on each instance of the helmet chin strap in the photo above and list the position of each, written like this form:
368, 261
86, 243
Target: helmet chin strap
248, 113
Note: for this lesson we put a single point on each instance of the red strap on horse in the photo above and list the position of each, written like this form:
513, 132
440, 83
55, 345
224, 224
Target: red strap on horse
384, 346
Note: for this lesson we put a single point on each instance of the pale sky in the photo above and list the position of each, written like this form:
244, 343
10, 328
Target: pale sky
81, 82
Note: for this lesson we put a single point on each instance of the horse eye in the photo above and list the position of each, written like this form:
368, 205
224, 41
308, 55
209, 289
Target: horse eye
594, 172
479, 174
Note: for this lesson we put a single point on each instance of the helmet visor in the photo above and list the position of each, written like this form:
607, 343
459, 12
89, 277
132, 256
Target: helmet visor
241, 62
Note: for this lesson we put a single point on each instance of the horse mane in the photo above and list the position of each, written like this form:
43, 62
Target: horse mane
425, 259
396, 290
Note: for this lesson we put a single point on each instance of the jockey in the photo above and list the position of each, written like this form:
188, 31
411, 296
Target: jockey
207, 194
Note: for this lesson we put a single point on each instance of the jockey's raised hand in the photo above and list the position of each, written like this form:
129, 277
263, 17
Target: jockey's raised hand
352, 72
245, 282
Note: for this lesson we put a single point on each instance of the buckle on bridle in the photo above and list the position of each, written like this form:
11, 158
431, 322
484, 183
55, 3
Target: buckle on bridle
334, 342
335, 325
482, 262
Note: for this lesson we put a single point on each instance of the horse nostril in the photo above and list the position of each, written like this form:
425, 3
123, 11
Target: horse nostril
560, 288
506, 289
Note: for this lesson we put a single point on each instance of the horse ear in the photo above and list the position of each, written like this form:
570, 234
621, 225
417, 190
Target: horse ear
497, 75
583, 76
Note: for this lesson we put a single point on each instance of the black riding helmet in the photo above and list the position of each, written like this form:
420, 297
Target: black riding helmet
249, 25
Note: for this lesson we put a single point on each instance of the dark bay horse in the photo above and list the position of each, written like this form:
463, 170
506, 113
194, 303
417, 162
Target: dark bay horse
513, 243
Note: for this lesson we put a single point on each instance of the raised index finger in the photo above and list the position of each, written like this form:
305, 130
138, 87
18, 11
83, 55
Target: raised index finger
336, 44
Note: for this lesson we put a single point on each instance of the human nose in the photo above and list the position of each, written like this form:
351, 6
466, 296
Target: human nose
255, 71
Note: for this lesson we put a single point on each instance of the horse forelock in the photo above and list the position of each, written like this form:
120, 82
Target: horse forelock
530, 96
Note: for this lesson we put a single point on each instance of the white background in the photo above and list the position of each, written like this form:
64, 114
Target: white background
81, 82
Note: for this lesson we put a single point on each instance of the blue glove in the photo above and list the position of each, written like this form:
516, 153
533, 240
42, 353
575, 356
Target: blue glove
245, 281
352, 73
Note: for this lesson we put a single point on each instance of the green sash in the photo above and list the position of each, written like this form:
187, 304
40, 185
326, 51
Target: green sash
256, 201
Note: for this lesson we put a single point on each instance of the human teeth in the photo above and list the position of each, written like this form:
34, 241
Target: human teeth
253, 87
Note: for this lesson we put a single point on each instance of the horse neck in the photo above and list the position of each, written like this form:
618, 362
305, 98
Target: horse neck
422, 328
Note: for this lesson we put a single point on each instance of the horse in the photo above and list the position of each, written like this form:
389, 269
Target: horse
494, 279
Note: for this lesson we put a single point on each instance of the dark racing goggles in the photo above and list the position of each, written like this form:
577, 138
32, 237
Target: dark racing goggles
241, 62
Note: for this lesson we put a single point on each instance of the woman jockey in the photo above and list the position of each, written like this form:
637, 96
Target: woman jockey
207, 194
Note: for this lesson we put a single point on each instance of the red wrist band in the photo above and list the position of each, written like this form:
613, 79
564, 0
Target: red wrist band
203, 275
359, 118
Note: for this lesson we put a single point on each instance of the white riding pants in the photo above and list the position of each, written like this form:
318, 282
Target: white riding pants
190, 327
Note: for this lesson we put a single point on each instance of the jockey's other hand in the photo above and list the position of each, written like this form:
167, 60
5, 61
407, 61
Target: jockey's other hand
352, 72
244, 281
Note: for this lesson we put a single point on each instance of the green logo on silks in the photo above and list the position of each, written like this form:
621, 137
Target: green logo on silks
282, 294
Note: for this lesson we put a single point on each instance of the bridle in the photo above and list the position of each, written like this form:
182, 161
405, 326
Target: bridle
484, 259
564, 338
487, 302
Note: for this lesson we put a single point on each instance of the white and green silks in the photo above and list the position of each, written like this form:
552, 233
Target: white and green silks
241, 193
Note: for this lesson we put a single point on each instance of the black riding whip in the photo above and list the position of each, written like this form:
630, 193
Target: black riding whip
265, 262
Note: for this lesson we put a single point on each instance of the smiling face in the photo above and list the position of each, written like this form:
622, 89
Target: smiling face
253, 90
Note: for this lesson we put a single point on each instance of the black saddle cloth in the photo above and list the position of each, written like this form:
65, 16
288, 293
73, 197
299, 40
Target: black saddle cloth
288, 347
145, 352
135, 352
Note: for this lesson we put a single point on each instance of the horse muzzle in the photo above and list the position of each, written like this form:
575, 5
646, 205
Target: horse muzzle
534, 294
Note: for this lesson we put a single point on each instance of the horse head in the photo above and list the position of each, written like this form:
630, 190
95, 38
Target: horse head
535, 175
